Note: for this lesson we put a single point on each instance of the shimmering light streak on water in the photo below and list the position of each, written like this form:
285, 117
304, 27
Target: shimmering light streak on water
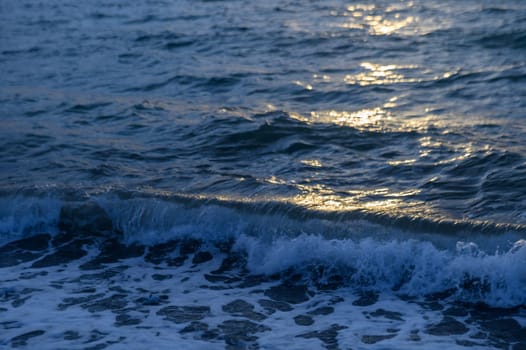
290, 100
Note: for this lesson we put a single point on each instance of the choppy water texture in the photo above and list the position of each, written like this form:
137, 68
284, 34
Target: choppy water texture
376, 147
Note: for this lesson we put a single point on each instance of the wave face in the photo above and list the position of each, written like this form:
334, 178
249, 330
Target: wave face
472, 262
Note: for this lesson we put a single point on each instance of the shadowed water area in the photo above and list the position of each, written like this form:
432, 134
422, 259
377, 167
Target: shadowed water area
373, 146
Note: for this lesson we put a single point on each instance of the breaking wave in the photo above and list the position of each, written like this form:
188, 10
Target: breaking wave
473, 262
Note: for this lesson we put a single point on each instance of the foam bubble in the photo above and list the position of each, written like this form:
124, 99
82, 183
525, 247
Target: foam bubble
489, 268
411, 267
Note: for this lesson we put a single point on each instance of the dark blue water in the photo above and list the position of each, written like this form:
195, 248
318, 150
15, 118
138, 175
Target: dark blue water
229, 118
210, 174
399, 108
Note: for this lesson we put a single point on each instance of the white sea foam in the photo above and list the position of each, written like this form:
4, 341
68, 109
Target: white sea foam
487, 268
96, 328
412, 267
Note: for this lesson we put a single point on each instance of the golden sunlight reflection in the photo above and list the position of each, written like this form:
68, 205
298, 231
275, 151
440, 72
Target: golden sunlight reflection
371, 74
391, 103
402, 162
379, 20
312, 163
275, 181
382, 26
377, 74
322, 77
360, 7
363, 119
358, 119
383, 118
381, 200
306, 86
422, 122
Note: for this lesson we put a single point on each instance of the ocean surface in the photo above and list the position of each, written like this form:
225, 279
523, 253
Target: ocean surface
263, 174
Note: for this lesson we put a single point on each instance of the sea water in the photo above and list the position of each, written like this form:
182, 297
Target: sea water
263, 175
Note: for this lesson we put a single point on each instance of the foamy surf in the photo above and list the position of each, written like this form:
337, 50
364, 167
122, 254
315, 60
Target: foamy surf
115, 270
78, 293
472, 266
